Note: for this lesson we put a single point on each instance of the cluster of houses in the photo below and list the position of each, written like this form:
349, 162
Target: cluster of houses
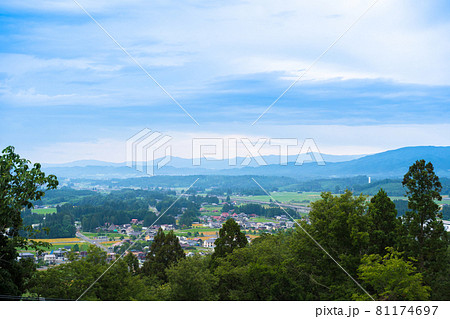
245, 222
51, 258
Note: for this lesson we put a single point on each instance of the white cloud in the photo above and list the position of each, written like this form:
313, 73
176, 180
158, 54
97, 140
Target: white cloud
330, 139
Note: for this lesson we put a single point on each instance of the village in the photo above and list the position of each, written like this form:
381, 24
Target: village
133, 237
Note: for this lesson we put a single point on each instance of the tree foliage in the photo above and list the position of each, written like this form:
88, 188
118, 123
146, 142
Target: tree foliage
391, 278
164, 252
384, 226
230, 237
425, 238
20, 184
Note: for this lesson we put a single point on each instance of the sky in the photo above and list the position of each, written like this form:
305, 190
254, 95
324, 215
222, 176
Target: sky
69, 92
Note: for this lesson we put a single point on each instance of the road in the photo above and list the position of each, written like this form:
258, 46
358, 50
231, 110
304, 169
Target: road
93, 242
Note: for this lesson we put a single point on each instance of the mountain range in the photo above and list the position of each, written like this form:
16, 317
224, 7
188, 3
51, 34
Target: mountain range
393, 163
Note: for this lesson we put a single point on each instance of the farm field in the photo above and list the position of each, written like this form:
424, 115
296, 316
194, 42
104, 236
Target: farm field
262, 220
44, 210
61, 240
285, 197
55, 246
205, 231
115, 235
208, 210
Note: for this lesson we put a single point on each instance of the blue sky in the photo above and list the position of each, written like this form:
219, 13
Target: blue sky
67, 92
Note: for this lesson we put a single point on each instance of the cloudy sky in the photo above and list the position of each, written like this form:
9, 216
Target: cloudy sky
68, 91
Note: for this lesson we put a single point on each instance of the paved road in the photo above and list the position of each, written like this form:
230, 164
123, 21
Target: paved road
93, 242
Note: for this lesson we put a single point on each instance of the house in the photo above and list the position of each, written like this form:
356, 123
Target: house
25, 256
134, 221
209, 243
446, 225
59, 254
191, 242
134, 233
198, 240
225, 215
50, 258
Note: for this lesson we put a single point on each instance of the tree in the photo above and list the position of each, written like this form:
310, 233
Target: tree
261, 271
383, 223
230, 237
190, 279
339, 224
425, 236
20, 185
164, 252
69, 281
391, 278
132, 262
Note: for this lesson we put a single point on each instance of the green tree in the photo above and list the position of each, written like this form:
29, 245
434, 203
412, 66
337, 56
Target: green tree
69, 281
383, 223
263, 270
230, 237
425, 236
132, 262
340, 225
164, 252
391, 278
190, 279
20, 184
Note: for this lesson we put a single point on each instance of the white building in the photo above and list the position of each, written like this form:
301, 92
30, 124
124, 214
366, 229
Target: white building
209, 243
50, 258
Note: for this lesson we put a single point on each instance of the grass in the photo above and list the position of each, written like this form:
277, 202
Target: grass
208, 210
262, 220
44, 210
285, 197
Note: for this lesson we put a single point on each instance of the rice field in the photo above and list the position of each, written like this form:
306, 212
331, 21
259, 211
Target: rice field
61, 240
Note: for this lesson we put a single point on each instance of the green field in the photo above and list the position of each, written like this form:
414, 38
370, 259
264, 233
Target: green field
208, 210
285, 197
184, 232
44, 211
83, 247
115, 235
262, 220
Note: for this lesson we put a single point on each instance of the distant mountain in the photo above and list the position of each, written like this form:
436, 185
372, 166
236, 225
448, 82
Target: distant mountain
84, 163
392, 163
179, 162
